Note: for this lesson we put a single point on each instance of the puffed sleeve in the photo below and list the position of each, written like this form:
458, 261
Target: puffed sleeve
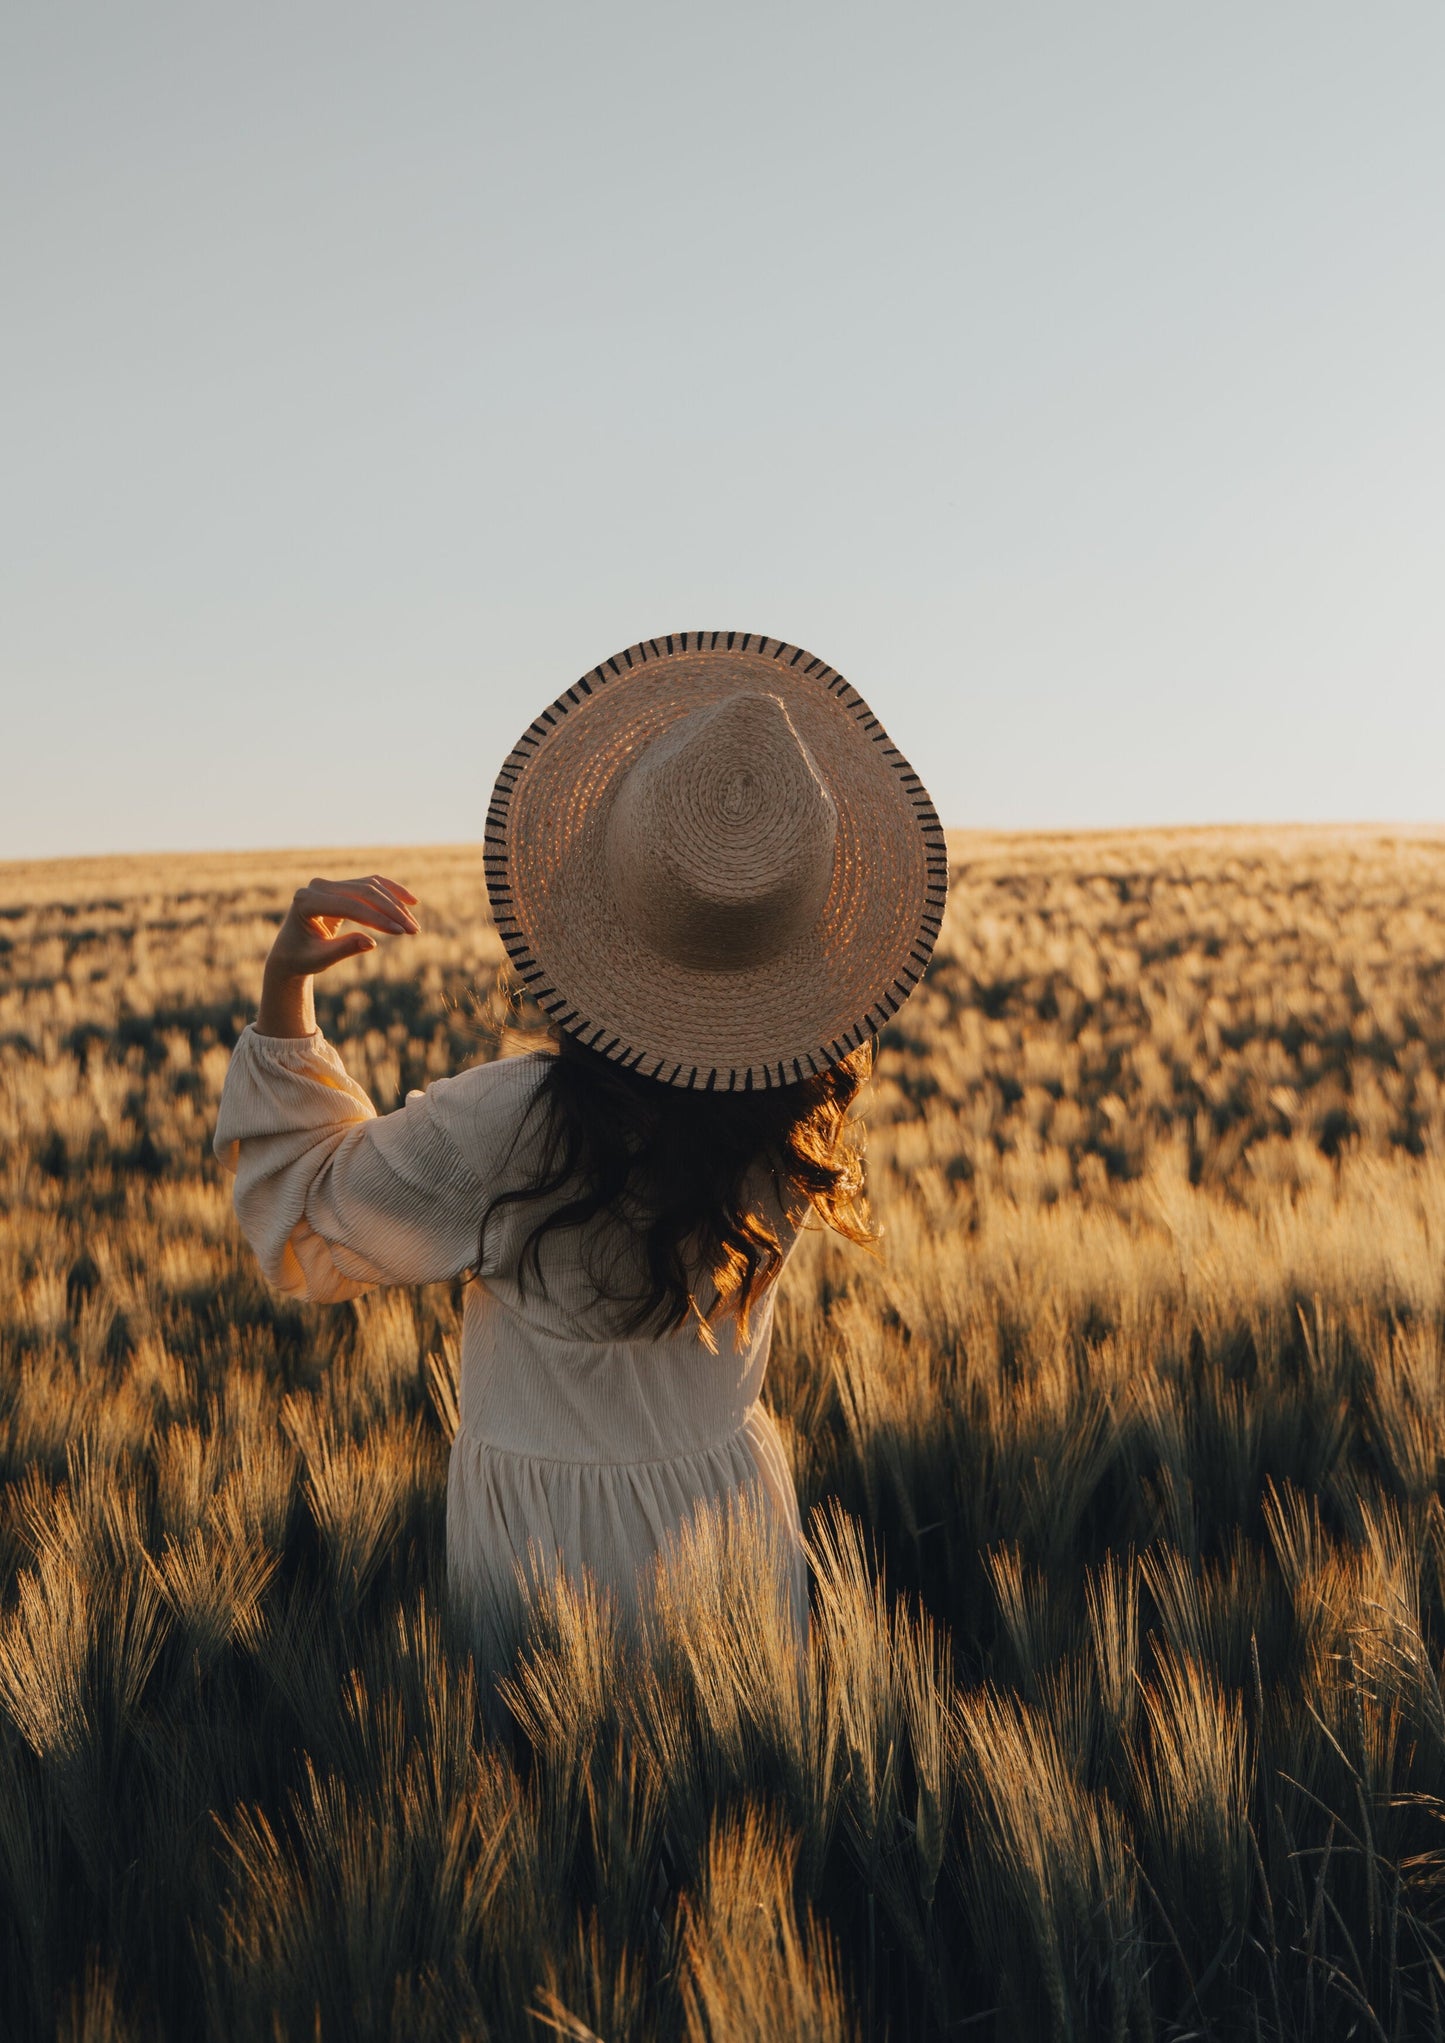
333, 1197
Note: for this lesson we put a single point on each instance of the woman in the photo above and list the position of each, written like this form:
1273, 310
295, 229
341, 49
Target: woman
718, 878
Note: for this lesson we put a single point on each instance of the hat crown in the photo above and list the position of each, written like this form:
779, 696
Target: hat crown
719, 844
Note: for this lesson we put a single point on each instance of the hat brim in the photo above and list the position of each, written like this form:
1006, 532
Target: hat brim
575, 954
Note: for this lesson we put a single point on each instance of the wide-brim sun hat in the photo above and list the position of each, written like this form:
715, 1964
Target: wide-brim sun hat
707, 861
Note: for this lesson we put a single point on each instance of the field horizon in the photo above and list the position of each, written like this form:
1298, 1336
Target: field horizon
1122, 1464
24, 875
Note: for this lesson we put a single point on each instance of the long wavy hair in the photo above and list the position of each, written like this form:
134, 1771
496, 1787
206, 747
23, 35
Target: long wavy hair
680, 1167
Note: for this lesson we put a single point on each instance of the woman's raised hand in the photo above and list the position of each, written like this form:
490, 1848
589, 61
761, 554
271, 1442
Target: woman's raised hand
307, 942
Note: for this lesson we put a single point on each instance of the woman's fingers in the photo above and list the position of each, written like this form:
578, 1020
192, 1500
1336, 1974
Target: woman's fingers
359, 900
388, 893
393, 887
383, 889
309, 939
375, 914
371, 901
334, 949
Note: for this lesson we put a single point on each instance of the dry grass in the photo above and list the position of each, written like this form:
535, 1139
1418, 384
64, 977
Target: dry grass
1122, 1711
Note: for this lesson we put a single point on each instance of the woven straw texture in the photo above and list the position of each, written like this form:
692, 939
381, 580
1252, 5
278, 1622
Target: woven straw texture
589, 958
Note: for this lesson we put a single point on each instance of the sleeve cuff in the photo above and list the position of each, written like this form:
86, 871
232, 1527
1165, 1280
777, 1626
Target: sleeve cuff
278, 1046
310, 1056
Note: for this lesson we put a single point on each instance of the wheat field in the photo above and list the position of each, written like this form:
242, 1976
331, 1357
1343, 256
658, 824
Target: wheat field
1121, 1464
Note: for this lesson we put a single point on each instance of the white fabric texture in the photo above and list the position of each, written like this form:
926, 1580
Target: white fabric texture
586, 1449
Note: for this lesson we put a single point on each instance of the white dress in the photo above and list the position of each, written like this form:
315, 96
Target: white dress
590, 1449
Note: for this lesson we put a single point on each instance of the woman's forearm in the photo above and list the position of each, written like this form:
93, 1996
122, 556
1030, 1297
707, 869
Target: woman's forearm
287, 1007
307, 942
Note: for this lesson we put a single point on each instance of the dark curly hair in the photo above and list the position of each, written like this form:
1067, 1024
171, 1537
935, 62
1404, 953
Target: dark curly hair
676, 1162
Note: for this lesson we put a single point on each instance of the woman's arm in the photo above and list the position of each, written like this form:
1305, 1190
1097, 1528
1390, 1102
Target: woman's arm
332, 1198
307, 943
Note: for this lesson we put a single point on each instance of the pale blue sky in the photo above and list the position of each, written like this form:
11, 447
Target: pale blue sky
1069, 376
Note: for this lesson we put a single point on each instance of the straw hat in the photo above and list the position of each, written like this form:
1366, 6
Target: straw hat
707, 862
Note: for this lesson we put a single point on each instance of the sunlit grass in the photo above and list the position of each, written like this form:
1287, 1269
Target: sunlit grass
1119, 1712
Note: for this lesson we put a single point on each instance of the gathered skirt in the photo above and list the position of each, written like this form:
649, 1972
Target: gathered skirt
515, 1521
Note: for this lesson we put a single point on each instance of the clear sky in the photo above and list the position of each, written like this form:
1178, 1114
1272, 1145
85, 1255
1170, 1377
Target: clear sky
1069, 376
